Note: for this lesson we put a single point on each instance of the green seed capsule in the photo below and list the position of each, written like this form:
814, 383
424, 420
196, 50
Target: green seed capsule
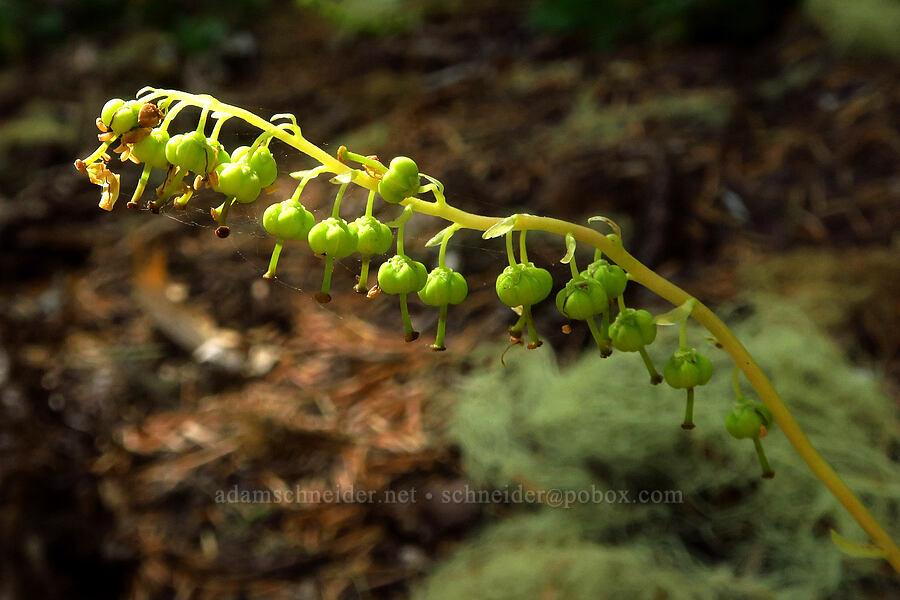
581, 299
687, 368
260, 161
222, 155
109, 110
523, 285
238, 181
632, 330
289, 220
192, 152
746, 420
152, 149
373, 236
120, 116
444, 286
332, 237
400, 181
401, 275
611, 277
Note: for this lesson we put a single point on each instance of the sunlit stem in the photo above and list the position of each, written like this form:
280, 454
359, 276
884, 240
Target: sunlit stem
534, 340
407, 323
182, 200
370, 203
441, 329
523, 251
689, 410
141, 185
736, 383
293, 128
336, 210
438, 185
306, 179
295, 197
99, 151
654, 376
442, 256
217, 128
171, 114
622, 306
516, 329
365, 160
573, 266
261, 139
598, 337
201, 123
767, 471
144, 90
273, 262
220, 213
363, 284
326, 278
288, 127
509, 249
424, 189
164, 102
438, 190
598, 254
400, 229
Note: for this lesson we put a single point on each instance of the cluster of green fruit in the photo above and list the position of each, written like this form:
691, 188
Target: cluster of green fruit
334, 238
144, 138
243, 173
141, 127
593, 292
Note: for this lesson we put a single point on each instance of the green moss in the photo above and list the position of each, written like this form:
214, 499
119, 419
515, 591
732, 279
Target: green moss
539, 557
36, 125
360, 16
863, 27
605, 126
596, 424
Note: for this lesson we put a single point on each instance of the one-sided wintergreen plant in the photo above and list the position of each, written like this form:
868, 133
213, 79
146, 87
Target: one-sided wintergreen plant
141, 128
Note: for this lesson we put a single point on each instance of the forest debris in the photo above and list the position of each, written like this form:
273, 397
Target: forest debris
192, 330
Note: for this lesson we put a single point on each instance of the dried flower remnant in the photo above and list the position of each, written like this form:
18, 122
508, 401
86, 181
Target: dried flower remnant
99, 174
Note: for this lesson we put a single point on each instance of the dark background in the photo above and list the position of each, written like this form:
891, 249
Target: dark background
144, 364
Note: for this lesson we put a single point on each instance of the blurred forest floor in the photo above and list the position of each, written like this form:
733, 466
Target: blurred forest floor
145, 365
